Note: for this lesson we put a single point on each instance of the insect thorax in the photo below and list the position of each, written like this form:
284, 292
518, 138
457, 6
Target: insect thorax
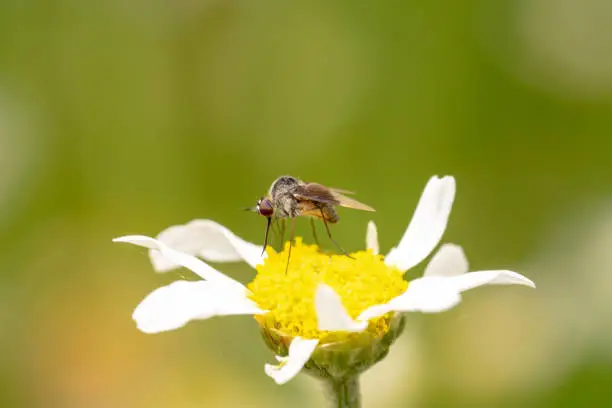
281, 192
283, 185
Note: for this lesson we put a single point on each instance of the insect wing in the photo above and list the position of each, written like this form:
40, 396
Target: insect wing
341, 191
319, 193
315, 192
344, 201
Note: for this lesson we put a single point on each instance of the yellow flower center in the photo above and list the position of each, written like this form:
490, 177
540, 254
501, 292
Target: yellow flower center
289, 296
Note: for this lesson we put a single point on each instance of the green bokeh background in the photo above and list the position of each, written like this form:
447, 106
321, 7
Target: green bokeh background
125, 117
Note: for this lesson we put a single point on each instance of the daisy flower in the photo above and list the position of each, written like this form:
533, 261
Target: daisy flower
332, 315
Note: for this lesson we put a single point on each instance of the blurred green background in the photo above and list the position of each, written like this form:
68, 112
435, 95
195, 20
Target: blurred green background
124, 117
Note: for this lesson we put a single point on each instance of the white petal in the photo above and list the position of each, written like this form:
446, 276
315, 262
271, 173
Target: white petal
475, 279
300, 351
173, 306
331, 314
374, 311
427, 295
427, 225
449, 261
372, 238
204, 270
208, 239
437, 294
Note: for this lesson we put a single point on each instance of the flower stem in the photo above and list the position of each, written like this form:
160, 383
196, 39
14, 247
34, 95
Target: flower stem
345, 392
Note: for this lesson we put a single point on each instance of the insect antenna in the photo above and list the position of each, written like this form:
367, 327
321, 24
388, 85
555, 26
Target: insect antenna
290, 243
266, 237
330, 236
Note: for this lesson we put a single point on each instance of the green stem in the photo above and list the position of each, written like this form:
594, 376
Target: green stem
345, 392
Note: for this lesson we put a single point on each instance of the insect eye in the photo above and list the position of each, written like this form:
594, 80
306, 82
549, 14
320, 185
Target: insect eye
264, 207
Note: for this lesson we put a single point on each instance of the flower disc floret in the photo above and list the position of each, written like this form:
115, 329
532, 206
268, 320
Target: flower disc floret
361, 281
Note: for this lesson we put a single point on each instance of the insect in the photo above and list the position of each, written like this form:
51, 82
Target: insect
290, 197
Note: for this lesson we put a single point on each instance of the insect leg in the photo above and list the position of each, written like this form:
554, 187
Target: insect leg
290, 243
276, 230
330, 236
314, 232
283, 224
266, 237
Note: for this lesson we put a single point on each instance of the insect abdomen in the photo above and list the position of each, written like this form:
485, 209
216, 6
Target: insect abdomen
330, 214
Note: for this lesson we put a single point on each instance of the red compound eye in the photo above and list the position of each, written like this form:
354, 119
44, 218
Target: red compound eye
264, 207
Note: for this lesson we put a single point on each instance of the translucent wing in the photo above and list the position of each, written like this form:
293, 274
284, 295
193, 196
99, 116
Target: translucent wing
341, 191
319, 193
315, 192
344, 201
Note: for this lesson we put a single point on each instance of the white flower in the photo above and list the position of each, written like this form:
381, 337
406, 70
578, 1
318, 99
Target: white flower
330, 307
